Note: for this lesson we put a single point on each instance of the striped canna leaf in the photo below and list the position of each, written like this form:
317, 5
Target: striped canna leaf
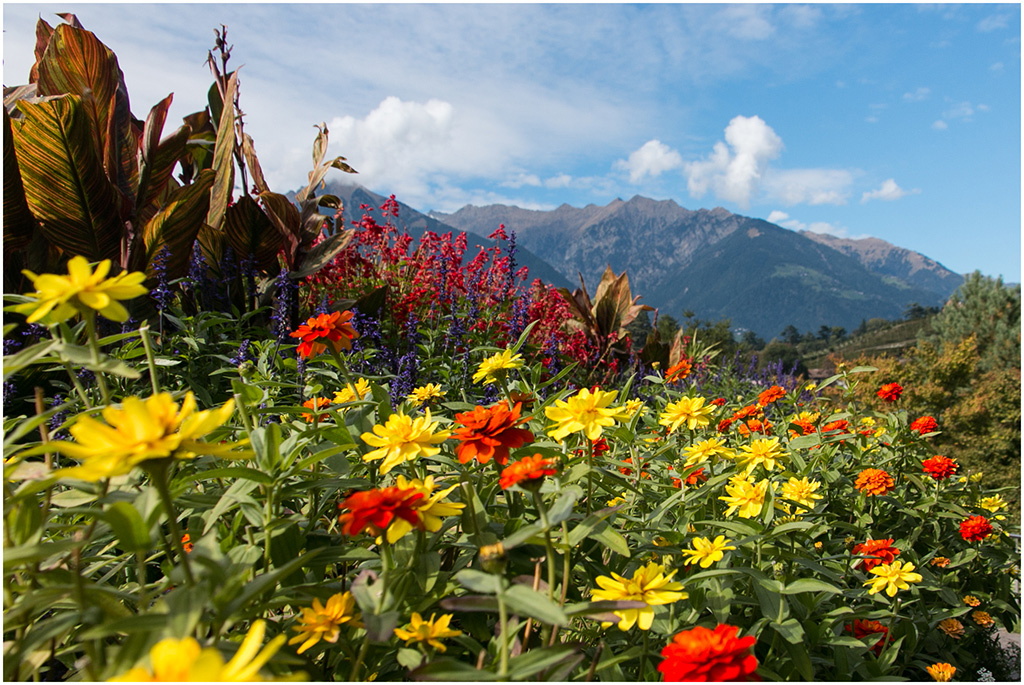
249, 231
177, 224
223, 158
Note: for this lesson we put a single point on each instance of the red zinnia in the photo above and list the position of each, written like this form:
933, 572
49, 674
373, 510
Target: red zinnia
374, 510
746, 412
863, 628
874, 482
679, 371
702, 655
724, 425
925, 424
525, 470
773, 393
882, 550
697, 476
315, 403
975, 529
334, 328
718, 401
490, 432
890, 392
939, 467
840, 425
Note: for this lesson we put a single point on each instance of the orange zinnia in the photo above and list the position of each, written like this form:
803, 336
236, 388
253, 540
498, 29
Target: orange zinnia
679, 371
186, 542
939, 467
925, 424
755, 426
724, 425
488, 433
882, 550
804, 425
863, 628
375, 510
840, 425
314, 404
702, 655
874, 482
334, 328
776, 392
527, 472
746, 412
975, 529
890, 392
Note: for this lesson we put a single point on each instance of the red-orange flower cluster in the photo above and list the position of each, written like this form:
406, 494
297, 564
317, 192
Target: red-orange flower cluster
939, 467
874, 482
314, 403
882, 550
890, 392
679, 371
697, 476
626, 471
755, 426
807, 427
334, 328
862, 628
925, 424
488, 433
840, 425
526, 470
186, 543
702, 655
374, 510
975, 529
746, 412
776, 392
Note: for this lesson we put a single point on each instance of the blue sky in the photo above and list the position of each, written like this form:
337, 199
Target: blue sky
901, 122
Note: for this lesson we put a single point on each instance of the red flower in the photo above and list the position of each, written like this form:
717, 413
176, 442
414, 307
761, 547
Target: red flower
882, 550
874, 482
697, 476
863, 628
724, 425
314, 403
840, 425
702, 655
939, 467
718, 401
890, 392
490, 432
925, 424
334, 328
679, 371
746, 412
975, 529
526, 470
773, 393
755, 426
186, 543
374, 510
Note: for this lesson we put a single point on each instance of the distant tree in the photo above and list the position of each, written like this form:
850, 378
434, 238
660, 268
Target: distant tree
914, 311
776, 351
790, 335
824, 333
809, 337
876, 323
862, 328
667, 326
837, 333
752, 341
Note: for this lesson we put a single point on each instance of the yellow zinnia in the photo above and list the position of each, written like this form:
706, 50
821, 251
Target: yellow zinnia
425, 393
403, 438
763, 451
941, 673
745, 496
586, 412
688, 410
496, 367
324, 621
430, 508
431, 631
81, 290
353, 391
707, 551
802, 491
993, 504
702, 450
649, 585
892, 578
141, 430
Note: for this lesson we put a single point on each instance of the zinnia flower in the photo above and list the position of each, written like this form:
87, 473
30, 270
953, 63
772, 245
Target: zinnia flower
375, 510
751, 426
874, 482
488, 433
527, 472
496, 367
142, 430
746, 412
764, 452
702, 655
184, 660
688, 410
431, 631
925, 424
863, 628
776, 392
425, 393
941, 562
880, 551
983, 618
951, 627
702, 450
186, 543
631, 407
974, 529
315, 403
81, 290
323, 622
353, 391
939, 467
971, 600
585, 412
745, 496
892, 578
941, 673
430, 508
649, 585
802, 491
678, 371
334, 328
993, 504
403, 438
890, 392
707, 551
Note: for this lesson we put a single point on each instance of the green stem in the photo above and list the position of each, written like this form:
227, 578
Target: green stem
147, 344
550, 549
643, 655
503, 617
94, 350
78, 385
354, 675
140, 572
159, 473
590, 473
343, 367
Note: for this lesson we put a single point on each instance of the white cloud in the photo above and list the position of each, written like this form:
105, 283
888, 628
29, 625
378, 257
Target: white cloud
917, 95
871, 120
748, 22
983, 108
940, 125
998, 66
808, 186
780, 218
734, 168
653, 158
559, 181
993, 22
523, 180
960, 110
888, 191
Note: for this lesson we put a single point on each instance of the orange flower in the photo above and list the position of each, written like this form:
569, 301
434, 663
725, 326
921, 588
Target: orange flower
776, 392
702, 655
334, 328
724, 425
527, 472
941, 562
890, 392
488, 433
805, 426
975, 529
983, 618
626, 471
874, 482
971, 601
314, 404
755, 426
939, 467
882, 551
746, 412
863, 628
186, 543
697, 476
679, 371
925, 424
952, 627
840, 425
941, 673
375, 510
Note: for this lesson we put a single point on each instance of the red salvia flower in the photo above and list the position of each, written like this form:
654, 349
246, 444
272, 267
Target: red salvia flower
882, 550
488, 433
890, 392
527, 472
702, 655
333, 328
925, 424
939, 467
374, 510
975, 529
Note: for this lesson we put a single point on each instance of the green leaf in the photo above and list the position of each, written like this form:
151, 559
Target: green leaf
769, 596
449, 669
223, 157
810, 585
471, 603
321, 254
612, 539
28, 356
250, 231
128, 526
409, 658
540, 659
176, 226
478, 581
523, 600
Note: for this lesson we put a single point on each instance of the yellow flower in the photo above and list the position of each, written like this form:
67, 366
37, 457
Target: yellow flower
702, 450
615, 501
745, 496
649, 585
688, 410
867, 422
430, 508
586, 412
707, 551
971, 600
142, 430
941, 673
763, 451
81, 290
323, 622
892, 577
403, 438
993, 504
184, 661
425, 393
353, 391
631, 407
810, 387
808, 416
430, 631
494, 368
801, 491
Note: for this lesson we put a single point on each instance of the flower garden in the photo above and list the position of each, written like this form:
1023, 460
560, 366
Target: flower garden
367, 457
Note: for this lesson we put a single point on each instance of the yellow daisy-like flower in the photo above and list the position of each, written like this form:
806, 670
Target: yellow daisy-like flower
993, 503
403, 438
892, 578
81, 290
808, 416
763, 451
941, 673
431, 632
707, 551
425, 393
745, 497
184, 660
324, 621
702, 450
586, 412
353, 392
141, 430
430, 508
867, 422
496, 367
631, 407
615, 501
649, 585
802, 491
688, 410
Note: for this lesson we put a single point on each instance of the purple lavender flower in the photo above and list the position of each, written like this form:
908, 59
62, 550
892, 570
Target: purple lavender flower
162, 293
243, 354
58, 419
197, 277
283, 302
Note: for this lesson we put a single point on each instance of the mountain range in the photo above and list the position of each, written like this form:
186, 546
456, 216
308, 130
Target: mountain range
717, 264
